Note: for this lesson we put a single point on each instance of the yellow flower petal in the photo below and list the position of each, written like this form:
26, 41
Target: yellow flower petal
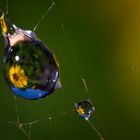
80, 111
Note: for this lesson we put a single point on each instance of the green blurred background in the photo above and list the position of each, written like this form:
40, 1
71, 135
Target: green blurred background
104, 38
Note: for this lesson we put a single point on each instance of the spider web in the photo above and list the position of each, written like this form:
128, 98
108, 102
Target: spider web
28, 130
27, 127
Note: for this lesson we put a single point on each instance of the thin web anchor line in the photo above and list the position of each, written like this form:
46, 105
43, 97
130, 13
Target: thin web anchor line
1, 11
18, 124
95, 129
44, 15
85, 86
7, 6
68, 42
82, 78
51, 126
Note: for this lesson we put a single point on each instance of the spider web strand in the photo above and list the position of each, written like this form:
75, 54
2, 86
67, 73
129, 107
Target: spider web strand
45, 14
95, 129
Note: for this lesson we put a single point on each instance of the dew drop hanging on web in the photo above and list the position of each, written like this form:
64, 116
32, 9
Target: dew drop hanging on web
84, 109
30, 69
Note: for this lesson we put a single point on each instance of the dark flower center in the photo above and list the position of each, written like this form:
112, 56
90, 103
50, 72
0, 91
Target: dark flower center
15, 76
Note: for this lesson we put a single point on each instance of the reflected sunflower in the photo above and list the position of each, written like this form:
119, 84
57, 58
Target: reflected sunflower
17, 76
80, 110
